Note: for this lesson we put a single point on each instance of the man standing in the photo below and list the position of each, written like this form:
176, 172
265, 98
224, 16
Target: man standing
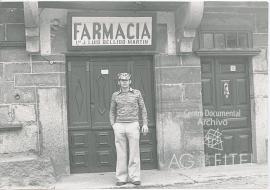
126, 104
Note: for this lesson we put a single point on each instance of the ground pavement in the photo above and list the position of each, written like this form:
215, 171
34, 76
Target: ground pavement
214, 176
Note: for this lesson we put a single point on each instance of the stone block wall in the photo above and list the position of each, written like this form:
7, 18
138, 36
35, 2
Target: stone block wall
178, 93
49, 79
17, 104
24, 170
32, 95
259, 84
253, 15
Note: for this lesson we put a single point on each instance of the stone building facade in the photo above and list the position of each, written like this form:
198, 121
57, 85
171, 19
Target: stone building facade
35, 72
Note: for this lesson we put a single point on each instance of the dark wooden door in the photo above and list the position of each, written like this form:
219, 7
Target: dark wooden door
226, 109
92, 80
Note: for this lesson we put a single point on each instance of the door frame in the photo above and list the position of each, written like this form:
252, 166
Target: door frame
151, 54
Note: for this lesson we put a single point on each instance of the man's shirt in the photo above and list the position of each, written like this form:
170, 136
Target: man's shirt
125, 107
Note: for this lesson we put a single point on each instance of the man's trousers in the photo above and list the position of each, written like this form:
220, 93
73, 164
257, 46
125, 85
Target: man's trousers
127, 134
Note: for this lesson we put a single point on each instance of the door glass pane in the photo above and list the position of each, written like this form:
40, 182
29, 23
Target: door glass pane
232, 40
219, 41
208, 40
243, 40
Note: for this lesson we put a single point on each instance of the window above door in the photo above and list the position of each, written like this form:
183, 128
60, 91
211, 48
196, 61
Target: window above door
225, 41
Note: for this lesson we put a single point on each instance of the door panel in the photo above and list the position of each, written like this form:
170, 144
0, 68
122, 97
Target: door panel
79, 115
148, 149
103, 72
207, 88
225, 89
241, 96
103, 85
79, 153
92, 80
143, 81
79, 95
208, 85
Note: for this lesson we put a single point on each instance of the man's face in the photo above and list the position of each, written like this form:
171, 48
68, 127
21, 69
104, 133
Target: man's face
124, 83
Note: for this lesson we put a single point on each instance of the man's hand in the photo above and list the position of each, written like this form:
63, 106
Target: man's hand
145, 129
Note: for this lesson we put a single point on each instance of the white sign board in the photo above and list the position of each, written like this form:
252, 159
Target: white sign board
104, 71
108, 31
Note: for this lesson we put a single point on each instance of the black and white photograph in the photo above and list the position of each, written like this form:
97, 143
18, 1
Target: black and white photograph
134, 94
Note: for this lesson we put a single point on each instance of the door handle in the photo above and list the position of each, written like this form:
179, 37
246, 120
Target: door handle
226, 90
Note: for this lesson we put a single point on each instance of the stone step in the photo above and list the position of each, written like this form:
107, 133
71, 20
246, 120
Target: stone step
25, 169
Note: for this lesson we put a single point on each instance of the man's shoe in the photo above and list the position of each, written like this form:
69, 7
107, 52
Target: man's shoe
118, 183
136, 182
